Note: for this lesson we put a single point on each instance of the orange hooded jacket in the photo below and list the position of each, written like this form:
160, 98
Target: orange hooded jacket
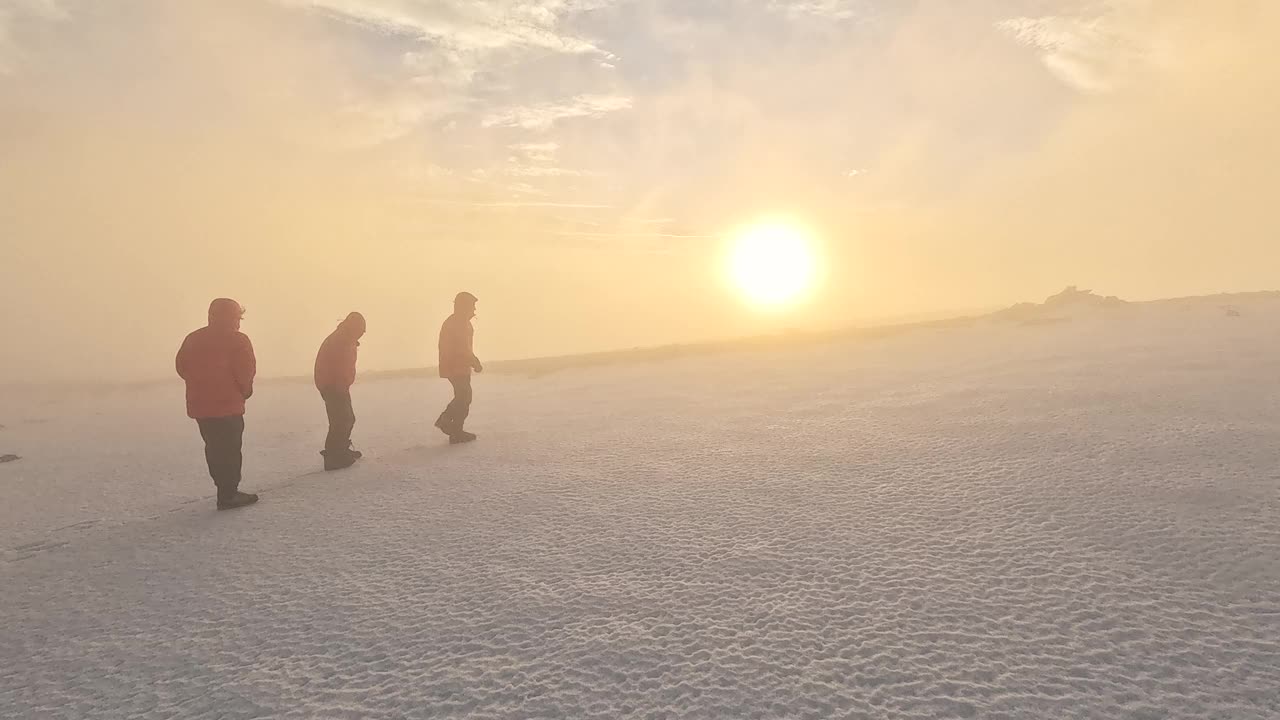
457, 356
336, 360
218, 365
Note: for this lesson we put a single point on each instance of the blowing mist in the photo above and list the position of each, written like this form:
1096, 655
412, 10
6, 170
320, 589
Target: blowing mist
938, 159
639, 359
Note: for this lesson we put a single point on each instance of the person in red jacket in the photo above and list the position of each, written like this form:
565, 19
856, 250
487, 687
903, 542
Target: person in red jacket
335, 374
218, 365
457, 360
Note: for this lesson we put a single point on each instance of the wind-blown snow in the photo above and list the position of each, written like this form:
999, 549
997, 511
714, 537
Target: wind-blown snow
1078, 520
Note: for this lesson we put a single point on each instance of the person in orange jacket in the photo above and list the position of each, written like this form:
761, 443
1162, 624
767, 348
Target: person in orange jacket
335, 373
218, 366
457, 360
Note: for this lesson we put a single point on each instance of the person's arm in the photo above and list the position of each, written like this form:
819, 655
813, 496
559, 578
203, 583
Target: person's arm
471, 350
349, 365
180, 360
245, 367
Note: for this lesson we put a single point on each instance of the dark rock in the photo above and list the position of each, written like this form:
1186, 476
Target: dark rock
1056, 307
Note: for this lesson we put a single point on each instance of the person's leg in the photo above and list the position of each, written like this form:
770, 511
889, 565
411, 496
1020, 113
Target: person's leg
460, 408
337, 446
334, 442
235, 451
222, 451
342, 418
447, 422
443, 421
212, 450
348, 419
229, 495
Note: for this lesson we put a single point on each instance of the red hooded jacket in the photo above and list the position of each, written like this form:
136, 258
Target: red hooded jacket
218, 365
336, 361
457, 356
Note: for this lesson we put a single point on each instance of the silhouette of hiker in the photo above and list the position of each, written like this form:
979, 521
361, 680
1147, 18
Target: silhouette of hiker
218, 365
457, 360
335, 374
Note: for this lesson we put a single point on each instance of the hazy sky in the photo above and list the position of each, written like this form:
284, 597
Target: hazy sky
580, 164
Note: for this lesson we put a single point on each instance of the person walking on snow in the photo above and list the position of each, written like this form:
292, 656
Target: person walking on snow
335, 373
457, 360
218, 366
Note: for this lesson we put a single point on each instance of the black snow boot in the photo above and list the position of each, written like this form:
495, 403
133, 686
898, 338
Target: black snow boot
461, 436
352, 452
235, 500
445, 424
338, 460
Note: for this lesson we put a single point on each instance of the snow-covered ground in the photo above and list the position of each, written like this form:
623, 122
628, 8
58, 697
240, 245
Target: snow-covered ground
1068, 520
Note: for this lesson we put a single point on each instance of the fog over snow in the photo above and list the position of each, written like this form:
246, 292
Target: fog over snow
1065, 513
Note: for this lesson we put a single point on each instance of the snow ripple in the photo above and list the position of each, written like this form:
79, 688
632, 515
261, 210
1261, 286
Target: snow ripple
893, 531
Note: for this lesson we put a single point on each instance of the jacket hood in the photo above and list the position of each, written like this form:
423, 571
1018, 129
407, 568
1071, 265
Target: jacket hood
353, 325
225, 313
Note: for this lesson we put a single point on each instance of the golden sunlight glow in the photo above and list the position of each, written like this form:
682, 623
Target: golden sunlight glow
773, 264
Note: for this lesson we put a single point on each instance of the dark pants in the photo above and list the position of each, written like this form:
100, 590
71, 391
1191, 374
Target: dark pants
342, 418
456, 413
223, 438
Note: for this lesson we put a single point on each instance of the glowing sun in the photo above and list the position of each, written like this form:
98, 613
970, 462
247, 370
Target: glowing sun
773, 264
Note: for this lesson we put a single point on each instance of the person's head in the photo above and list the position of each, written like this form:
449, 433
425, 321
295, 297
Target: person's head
465, 304
225, 313
353, 325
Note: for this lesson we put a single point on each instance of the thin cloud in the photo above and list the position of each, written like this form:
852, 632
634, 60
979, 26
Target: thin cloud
457, 42
522, 204
537, 152
525, 189
570, 233
465, 25
1089, 52
543, 115
827, 9
14, 12
549, 172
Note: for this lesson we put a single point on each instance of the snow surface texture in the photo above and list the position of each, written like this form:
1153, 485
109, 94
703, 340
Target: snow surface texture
1078, 520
